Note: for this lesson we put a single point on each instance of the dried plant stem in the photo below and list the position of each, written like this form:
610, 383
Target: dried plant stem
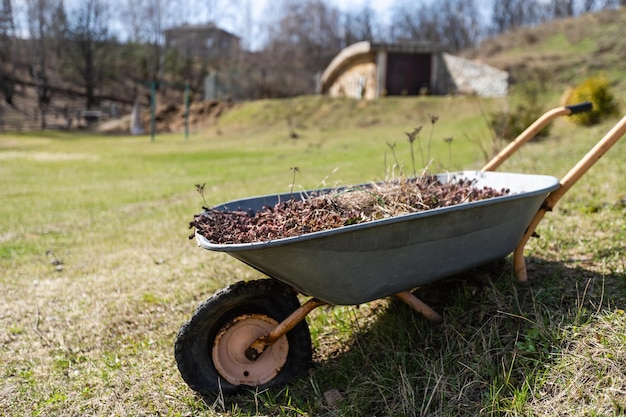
411, 138
392, 146
36, 328
200, 190
433, 120
294, 170
419, 142
448, 140
413, 158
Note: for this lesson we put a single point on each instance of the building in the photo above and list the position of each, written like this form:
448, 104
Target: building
372, 70
202, 41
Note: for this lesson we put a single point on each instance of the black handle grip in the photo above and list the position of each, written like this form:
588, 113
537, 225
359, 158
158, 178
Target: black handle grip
580, 107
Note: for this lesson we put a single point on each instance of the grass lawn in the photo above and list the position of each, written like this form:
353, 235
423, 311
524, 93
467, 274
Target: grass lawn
97, 273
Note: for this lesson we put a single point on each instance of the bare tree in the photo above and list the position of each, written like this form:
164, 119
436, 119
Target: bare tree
453, 24
147, 20
459, 24
412, 21
311, 29
59, 28
588, 6
7, 51
89, 36
39, 17
303, 38
512, 14
361, 25
562, 8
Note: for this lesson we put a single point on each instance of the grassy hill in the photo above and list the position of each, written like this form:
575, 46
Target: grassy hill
563, 51
544, 62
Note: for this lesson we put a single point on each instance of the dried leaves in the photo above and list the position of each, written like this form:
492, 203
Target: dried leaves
336, 209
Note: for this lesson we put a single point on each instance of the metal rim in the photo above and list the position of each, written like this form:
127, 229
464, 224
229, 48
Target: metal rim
230, 345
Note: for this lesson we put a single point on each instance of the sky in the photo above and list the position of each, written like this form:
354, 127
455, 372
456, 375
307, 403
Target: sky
380, 6
259, 8
231, 20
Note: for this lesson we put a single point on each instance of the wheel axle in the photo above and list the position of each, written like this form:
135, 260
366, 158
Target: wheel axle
257, 348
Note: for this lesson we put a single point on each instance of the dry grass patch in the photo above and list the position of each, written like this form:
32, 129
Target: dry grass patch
588, 377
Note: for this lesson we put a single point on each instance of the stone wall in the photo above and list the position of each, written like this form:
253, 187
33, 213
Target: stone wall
359, 81
471, 77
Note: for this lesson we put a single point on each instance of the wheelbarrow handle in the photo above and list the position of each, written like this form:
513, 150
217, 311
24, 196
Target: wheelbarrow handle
610, 139
532, 130
580, 107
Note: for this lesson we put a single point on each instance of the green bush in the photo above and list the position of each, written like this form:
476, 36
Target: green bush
596, 90
526, 105
507, 125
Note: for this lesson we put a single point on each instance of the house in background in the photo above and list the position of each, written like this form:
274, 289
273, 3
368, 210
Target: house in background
203, 41
372, 70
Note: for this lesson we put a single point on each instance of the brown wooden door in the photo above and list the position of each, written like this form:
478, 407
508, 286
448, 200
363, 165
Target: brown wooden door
407, 74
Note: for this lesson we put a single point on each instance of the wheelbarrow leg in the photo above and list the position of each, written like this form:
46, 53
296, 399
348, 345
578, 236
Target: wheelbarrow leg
419, 306
566, 183
258, 346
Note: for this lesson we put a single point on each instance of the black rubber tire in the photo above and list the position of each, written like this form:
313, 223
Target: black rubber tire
196, 337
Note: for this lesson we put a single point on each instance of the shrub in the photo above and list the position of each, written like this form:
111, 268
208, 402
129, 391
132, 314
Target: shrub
596, 90
529, 86
507, 125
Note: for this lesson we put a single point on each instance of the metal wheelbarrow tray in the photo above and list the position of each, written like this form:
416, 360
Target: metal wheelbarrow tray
254, 334
359, 263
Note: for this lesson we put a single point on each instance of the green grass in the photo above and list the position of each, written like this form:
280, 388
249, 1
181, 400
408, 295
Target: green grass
94, 334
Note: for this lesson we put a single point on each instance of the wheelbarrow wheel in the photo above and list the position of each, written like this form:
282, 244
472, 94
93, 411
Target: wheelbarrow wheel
210, 347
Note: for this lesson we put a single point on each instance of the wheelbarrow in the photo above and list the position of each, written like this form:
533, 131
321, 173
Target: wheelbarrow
254, 334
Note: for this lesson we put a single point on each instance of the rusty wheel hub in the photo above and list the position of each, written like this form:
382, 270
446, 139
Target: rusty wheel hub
235, 338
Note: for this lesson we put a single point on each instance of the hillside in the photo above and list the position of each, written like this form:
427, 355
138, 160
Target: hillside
552, 57
563, 51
